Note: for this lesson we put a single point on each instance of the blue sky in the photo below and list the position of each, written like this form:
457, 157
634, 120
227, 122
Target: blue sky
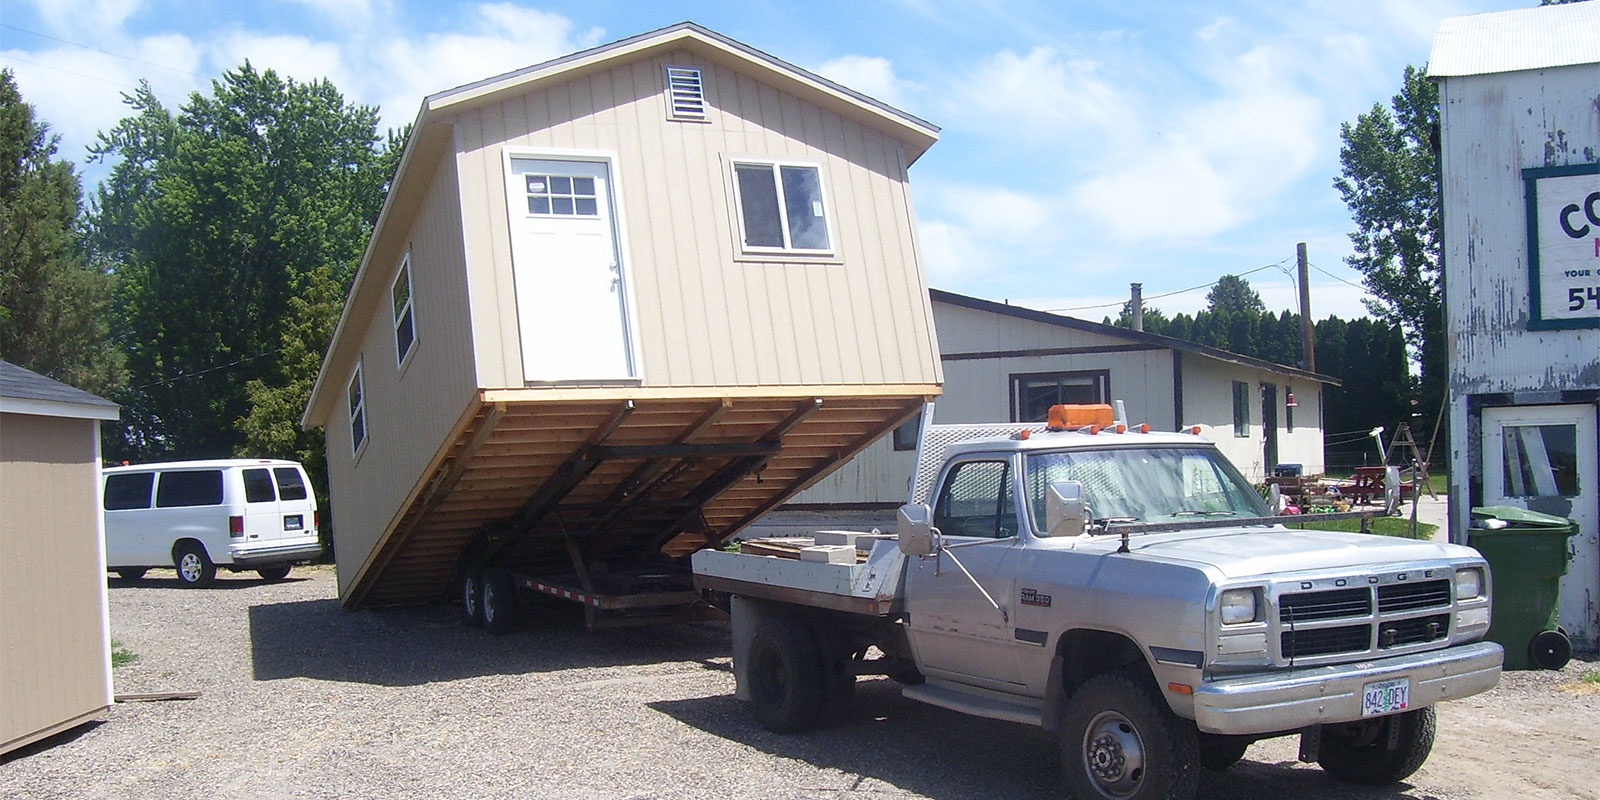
1084, 145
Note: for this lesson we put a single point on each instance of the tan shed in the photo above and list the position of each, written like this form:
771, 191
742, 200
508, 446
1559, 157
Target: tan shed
617, 306
55, 648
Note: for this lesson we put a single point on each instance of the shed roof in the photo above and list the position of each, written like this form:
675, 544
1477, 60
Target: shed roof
23, 391
1149, 340
1523, 39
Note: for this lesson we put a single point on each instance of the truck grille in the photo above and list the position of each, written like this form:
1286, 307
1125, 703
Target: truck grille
1338, 623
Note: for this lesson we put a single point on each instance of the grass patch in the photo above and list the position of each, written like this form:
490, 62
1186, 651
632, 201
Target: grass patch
1385, 526
120, 657
1592, 678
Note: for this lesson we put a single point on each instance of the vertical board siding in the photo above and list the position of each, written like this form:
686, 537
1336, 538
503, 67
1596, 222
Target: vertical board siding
408, 413
706, 318
54, 659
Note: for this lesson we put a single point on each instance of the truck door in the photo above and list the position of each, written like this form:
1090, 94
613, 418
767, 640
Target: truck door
956, 631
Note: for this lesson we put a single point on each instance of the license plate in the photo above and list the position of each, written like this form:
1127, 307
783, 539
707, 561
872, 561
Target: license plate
1385, 697
294, 523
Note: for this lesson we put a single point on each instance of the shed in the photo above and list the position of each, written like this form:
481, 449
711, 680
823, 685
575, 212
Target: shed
1519, 114
620, 304
1006, 362
55, 643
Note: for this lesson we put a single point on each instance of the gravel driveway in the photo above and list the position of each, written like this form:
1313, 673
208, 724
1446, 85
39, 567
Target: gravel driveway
302, 699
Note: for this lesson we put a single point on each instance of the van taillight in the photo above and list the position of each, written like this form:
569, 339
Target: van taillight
318, 518
236, 526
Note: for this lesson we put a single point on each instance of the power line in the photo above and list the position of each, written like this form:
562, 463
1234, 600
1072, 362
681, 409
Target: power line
94, 49
1119, 303
187, 375
118, 84
1336, 277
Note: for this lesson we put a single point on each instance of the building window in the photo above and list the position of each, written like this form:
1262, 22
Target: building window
1241, 408
357, 396
905, 436
781, 208
1289, 404
686, 95
405, 323
1033, 394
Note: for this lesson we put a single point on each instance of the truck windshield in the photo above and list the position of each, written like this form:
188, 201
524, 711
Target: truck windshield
1145, 484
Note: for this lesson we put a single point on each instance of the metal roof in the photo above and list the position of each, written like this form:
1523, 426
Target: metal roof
23, 391
1510, 41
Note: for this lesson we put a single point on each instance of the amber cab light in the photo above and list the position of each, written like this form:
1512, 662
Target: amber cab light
1073, 417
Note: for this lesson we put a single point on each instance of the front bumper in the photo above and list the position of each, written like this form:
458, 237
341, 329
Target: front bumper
1282, 702
261, 556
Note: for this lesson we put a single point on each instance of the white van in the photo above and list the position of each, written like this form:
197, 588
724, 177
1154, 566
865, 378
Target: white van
237, 513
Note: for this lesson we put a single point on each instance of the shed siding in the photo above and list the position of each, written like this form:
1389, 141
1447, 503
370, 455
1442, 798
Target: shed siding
705, 317
55, 666
410, 412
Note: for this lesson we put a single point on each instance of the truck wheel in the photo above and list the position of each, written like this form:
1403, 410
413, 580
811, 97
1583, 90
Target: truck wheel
1358, 752
785, 676
838, 675
499, 602
274, 574
1120, 741
194, 566
1218, 752
472, 597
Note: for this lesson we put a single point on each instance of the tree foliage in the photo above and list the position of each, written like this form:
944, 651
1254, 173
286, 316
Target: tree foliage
1390, 181
1232, 293
235, 226
52, 305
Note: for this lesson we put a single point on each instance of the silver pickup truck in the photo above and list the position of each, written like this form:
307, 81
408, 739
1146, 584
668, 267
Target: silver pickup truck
1128, 590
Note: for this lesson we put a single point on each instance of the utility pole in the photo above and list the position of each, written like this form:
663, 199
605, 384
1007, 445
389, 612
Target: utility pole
1307, 342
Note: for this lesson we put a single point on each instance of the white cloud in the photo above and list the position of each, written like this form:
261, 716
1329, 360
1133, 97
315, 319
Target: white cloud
71, 16
967, 231
343, 13
872, 76
297, 57
1040, 96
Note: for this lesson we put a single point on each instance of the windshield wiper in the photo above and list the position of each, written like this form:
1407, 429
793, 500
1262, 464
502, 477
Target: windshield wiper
1105, 523
1192, 513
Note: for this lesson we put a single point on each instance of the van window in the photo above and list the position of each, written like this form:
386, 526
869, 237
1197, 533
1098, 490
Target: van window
258, 486
199, 488
128, 490
290, 486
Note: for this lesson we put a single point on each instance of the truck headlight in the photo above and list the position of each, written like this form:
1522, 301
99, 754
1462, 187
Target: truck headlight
1469, 583
1238, 606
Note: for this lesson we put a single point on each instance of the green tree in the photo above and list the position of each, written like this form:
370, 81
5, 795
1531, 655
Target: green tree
1390, 181
230, 224
52, 305
1232, 293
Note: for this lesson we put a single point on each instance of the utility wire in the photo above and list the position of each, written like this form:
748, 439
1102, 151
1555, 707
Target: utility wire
117, 84
94, 49
1336, 277
1119, 303
187, 375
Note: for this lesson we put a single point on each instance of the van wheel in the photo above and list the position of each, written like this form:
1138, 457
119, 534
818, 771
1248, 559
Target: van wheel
131, 573
472, 597
499, 602
786, 676
194, 566
274, 574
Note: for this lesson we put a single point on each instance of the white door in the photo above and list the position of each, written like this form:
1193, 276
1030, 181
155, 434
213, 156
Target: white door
572, 310
1543, 458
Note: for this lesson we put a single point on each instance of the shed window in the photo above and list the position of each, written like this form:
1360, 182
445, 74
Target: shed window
405, 321
781, 207
186, 489
1241, 408
1032, 394
686, 96
358, 412
129, 490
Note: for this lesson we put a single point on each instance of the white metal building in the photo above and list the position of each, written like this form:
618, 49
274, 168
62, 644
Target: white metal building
1519, 95
1007, 363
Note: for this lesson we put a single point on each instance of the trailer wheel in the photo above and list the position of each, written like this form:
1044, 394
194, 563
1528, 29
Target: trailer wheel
1120, 741
472, 596
785, 676
1358, 752
499, 602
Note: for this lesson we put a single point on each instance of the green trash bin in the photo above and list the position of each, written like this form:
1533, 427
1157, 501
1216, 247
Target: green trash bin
1527, 555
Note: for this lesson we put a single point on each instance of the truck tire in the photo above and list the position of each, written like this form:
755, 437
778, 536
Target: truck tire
786, 675
1358, 752
472, 597
1219, 752
499, 602
193, 565
838, 675
1120, 741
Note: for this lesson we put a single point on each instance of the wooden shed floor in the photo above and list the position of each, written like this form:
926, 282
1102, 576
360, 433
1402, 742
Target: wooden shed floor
630, 474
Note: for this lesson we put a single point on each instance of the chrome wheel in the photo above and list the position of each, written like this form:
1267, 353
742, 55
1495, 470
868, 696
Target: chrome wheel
189, 565
1113, 754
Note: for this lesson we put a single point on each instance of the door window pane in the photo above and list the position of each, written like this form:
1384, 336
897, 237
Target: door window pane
129, 490
562, 196
976, 501
258, 486
181, 489
1540, 460
290, 487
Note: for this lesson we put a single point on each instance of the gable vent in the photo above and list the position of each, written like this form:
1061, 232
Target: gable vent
686, 96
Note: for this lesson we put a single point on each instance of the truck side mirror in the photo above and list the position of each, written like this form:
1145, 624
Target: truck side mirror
916, 529
1066, 514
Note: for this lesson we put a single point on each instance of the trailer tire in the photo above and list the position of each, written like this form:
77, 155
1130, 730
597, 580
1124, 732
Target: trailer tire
1120, 741
1358, 752
786, 675
472, 596
499, 602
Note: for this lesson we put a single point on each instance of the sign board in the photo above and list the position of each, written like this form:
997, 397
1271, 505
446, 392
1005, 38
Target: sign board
1563, 246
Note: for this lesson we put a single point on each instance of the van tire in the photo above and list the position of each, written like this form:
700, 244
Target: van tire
193, 565
131, 573
499, 602
274, 574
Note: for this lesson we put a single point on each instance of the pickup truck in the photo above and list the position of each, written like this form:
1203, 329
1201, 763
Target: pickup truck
1129, 591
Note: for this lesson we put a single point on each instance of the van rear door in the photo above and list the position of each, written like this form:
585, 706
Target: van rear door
261, 526
297, 508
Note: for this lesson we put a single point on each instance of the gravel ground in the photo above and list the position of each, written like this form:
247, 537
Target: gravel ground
302, 699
